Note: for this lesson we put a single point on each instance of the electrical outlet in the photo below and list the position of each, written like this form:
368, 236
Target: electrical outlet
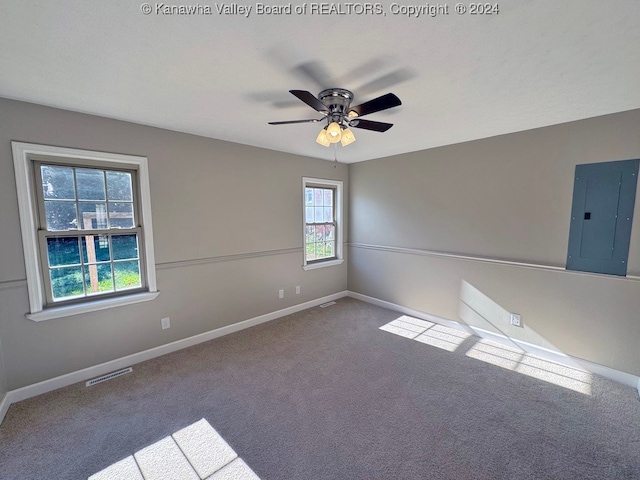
297, 289
516, 320
166, 323
281, 293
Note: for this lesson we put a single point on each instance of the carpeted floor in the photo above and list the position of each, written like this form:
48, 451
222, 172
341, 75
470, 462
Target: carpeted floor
327, 394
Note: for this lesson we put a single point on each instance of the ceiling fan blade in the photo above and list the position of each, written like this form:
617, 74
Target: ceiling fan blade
311, 120
316, 72
377, 104
311, 100
370, 125
385, 81
363, 70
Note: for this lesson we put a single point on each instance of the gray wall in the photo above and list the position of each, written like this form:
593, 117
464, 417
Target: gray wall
506, 198
3, 376
210, 199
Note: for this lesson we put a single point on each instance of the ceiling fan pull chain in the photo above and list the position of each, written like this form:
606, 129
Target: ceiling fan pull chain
335, 155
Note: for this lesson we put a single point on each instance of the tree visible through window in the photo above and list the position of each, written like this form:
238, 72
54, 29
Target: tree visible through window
320, 223
89, 235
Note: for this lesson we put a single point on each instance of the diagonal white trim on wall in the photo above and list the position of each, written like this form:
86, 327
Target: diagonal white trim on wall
19, 283
472, 258
226, 258
6, 285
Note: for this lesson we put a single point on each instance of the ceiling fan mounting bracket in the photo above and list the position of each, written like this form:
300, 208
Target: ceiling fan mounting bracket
337, 100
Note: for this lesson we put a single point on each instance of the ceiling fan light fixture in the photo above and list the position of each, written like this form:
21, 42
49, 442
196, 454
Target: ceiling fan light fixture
323, 139
334, 132
335, 106
347, 137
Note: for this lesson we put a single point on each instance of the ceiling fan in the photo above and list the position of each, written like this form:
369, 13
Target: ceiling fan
335, 106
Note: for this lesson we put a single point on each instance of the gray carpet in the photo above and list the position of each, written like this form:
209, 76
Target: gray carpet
325, 394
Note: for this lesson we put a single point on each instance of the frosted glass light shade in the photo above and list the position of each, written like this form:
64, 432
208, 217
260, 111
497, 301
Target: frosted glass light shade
347, 137
334, 132
323, 139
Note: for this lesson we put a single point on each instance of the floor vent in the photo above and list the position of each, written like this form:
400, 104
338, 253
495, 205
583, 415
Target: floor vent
328, 304
109, 376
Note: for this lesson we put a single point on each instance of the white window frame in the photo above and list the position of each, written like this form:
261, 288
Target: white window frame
337, 185
28, 207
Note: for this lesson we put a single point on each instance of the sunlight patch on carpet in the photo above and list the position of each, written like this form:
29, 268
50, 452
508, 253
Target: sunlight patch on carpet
426, 332
487, 351
531, 365
496, 354
407, 327
443, 337
196, 452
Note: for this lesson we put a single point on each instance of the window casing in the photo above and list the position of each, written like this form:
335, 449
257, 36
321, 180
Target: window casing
322, 232
86, 229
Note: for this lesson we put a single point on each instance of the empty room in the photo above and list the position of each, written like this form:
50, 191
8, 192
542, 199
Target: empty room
308, 240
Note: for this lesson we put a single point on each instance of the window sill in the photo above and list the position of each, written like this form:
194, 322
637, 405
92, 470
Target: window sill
77, 309
329, 263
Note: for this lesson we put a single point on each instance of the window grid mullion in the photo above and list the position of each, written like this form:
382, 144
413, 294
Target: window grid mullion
75, 195
106, 201
113, 273
96, 232
82, 269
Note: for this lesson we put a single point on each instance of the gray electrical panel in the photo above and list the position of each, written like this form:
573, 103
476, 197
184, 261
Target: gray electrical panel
601, 216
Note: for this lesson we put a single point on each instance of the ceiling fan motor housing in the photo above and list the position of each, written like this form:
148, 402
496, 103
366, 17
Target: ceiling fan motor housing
337, 100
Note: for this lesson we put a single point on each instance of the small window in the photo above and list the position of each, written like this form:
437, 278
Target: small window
86, 229
322, 222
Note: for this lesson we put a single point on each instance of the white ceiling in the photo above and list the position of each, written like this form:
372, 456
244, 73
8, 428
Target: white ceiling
460, 77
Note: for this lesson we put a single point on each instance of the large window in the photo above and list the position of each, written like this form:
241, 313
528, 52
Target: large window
88, 231
322, 222
86, 228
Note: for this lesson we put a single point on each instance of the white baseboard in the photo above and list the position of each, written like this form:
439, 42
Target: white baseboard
411, 312
551, 355
45, 386
562, 358
5, 403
